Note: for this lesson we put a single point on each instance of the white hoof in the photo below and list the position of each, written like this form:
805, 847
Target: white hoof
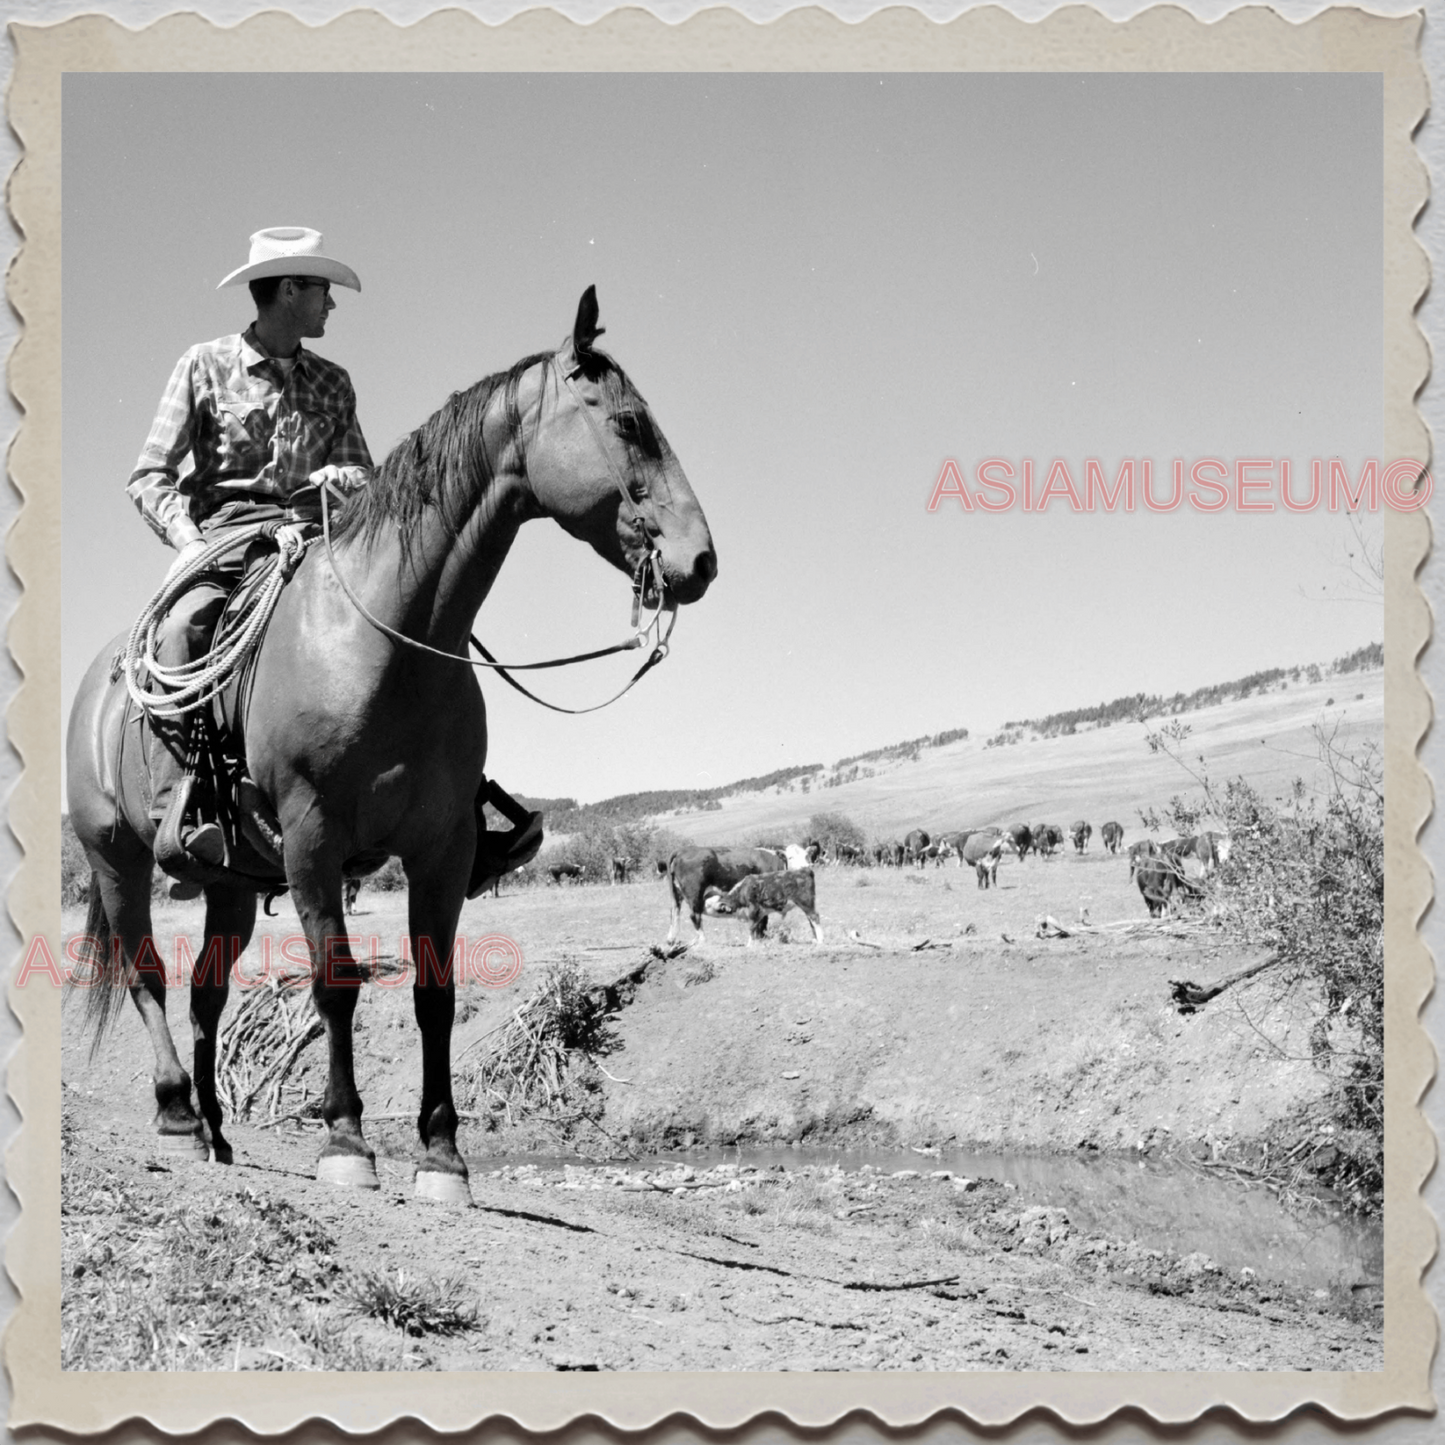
182, 1146
441, 1188
350, 1171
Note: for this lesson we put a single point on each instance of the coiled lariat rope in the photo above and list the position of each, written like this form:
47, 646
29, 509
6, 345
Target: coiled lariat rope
172, 692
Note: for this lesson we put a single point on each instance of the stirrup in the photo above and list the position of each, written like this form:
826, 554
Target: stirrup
205, 845
489, 864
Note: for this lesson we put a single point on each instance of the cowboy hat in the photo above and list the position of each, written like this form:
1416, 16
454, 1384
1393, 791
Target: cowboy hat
290, 251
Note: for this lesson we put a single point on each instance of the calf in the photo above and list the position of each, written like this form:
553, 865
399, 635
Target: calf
763, 893
693, 874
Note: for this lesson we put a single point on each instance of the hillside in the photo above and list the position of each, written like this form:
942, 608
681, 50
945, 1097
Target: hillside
1099, 773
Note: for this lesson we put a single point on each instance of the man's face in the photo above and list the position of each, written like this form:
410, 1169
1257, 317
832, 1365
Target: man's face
311, 304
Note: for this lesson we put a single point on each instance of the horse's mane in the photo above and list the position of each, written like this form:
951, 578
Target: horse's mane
442, 464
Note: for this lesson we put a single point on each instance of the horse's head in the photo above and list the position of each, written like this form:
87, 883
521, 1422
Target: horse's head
599, 464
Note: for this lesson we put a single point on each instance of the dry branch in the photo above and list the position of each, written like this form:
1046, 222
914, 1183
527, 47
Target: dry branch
1191, 996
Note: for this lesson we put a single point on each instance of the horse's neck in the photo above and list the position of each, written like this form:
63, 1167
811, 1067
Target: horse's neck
432, 590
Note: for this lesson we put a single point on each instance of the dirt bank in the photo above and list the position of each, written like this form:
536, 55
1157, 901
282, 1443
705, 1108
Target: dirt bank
986, 1036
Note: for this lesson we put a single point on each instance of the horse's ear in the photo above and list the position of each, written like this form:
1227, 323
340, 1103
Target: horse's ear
585, 329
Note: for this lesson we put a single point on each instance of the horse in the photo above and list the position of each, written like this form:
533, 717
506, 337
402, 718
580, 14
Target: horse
366, 735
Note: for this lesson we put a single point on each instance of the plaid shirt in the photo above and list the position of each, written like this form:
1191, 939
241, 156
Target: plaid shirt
231, 425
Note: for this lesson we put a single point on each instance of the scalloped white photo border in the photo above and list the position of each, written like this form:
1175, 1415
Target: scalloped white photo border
806, 40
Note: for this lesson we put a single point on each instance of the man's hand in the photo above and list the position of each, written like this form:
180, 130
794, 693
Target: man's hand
189, 553
340, 480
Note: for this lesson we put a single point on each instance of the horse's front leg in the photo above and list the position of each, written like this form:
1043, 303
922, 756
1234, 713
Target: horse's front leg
313, 868
230, 921
435, 894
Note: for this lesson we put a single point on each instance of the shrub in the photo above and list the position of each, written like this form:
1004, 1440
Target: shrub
832, 829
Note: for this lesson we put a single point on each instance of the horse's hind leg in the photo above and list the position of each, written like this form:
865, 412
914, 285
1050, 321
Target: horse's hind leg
434, 904
125, 895
230, 919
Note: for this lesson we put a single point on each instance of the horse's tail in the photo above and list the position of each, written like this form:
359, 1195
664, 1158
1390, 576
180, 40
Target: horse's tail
102, 972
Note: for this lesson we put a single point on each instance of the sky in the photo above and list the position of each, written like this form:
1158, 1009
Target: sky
825, 287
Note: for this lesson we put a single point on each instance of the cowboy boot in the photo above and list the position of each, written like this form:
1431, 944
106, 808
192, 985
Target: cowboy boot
171, 787
500, 853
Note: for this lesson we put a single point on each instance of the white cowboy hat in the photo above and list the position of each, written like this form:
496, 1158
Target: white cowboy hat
290, 251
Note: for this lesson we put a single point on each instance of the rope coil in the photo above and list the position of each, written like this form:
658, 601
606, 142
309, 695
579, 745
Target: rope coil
172, 692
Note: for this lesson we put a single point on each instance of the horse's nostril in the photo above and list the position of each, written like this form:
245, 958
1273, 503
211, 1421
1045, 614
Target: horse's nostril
705, 569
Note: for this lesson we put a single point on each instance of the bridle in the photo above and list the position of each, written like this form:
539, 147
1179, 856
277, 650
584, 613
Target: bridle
649, 586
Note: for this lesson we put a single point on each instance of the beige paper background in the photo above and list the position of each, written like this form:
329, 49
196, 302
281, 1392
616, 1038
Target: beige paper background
1073, 39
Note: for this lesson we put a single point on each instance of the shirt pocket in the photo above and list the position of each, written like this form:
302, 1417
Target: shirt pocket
245, 426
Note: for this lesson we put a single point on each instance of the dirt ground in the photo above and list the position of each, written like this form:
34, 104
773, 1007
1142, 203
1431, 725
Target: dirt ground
931, 1017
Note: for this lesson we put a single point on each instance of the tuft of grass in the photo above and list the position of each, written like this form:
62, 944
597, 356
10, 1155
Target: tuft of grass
152, 1284
415, 1304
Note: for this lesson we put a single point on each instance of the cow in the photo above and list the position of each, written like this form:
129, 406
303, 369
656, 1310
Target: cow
950, 845
1047, 837
620, 869
1081, 832
982, 852
914, 844
694, 873
814, 851
1113, 836
796, 856
1023, 838
1160, 876
847, 853
1210, 848
762, 893
561, 871
1138, 852
350, 891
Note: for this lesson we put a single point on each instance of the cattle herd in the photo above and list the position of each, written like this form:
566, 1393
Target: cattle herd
754, 883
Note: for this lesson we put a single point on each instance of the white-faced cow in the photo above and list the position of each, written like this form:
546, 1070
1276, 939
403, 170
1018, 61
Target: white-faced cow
982, 852
1113, 836
694, 873
763, 893
1081, 832
796, 856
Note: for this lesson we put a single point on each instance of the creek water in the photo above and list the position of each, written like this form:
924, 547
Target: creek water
1163, 1206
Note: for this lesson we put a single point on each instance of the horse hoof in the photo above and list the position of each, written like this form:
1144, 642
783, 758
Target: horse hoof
442, 1188
182, 1146
350, 1171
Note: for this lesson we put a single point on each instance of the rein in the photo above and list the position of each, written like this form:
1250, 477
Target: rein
648, 583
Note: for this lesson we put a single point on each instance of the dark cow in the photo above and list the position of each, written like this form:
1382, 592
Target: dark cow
813, 850
982, 852
350, 891
1047, 837
1160, 877
847, 853
763, 893
561, 871
1113, 836
620, 869
1138, 852
694, 873
914, 844
1081, 832
1023, 838
1157, 879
